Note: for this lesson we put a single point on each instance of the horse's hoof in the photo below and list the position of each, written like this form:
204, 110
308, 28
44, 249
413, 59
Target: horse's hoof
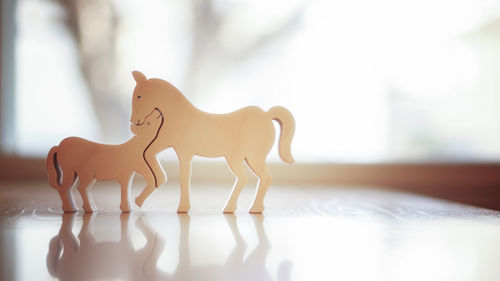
183, 208
228, 210
256, 210
125, 209
139, 202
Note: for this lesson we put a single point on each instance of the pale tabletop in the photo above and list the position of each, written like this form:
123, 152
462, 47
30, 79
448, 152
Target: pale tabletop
305, 233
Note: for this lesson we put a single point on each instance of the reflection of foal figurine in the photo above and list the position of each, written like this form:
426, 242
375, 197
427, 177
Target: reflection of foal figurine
245, 135
86, 259
77, 157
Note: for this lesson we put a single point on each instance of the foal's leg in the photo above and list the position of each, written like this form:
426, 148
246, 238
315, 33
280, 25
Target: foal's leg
85, 185
125, 183
150, 154
185, 178
68, 201
150, 185
258, 166
237, 166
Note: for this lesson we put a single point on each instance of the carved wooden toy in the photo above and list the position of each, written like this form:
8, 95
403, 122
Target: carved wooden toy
245, 135
77, 158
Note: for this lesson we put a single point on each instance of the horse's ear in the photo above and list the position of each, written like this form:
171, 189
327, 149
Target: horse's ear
139, 77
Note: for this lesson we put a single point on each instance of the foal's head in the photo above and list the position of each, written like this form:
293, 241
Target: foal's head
149, 127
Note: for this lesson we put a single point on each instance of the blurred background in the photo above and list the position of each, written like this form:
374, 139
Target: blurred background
367, 81
395, 94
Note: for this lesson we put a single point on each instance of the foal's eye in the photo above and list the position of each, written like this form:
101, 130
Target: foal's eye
148, 123
139, 97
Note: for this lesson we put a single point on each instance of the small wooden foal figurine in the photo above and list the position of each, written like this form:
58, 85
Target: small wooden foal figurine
245, 135
79, 158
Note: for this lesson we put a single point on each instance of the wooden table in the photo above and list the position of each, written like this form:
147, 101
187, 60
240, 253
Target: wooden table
306, 233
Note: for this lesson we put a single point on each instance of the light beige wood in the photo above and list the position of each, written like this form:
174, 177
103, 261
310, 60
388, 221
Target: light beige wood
76, 158
245, 135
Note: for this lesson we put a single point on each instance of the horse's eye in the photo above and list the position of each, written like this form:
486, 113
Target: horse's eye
139, 97
148, 123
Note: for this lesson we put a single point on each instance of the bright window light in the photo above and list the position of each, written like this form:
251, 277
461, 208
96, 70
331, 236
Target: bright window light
367, 81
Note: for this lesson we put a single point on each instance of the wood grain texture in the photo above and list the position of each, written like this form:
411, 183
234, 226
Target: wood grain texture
308, 232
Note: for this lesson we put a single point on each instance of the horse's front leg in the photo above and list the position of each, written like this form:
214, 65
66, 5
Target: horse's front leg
185, 179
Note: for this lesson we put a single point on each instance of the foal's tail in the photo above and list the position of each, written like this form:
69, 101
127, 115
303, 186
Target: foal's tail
287, 124
53, 168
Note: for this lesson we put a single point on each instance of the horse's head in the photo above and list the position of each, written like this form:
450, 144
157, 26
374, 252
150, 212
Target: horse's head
154, 94
144, 99
149, 126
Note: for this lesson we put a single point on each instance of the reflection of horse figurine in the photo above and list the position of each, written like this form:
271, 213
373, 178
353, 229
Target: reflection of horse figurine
243, 135
235, 267
86, 259
77, 157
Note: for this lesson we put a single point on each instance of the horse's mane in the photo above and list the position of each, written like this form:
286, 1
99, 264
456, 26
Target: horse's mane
168, 88
170, 92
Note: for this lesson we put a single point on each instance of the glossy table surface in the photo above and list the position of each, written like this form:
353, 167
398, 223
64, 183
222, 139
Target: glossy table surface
305, 233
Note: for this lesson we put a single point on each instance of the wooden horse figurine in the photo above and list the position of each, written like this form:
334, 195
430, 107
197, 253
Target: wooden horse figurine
245, 135
79, 158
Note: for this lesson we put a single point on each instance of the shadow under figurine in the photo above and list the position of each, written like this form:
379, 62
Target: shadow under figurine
246, 135
76, 158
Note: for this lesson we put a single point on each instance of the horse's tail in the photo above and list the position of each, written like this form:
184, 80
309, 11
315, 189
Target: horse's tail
287, 125
53, 169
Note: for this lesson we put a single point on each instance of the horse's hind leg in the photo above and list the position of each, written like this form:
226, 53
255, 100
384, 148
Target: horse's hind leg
84, 187
258, 166
237, 166
68, 201
185, 181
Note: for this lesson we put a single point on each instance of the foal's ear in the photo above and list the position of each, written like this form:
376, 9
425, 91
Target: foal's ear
139, 77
